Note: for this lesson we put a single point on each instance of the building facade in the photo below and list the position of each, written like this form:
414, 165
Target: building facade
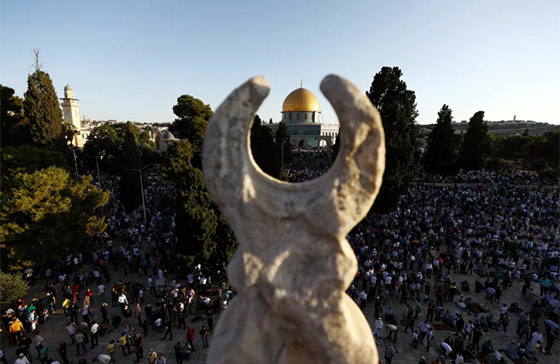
71, 116
302, 115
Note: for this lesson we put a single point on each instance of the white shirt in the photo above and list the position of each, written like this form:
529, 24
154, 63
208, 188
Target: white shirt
498, 355
94, 328
101, 289
103, 358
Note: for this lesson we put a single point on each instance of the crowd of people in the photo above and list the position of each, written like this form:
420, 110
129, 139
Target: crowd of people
483, 176
122, 290
308, 164
434, 272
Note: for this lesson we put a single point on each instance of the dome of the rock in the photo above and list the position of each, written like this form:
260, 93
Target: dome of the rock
301, 99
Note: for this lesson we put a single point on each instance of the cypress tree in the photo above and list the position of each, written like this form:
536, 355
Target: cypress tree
41, 107
442, 147
130, 161
262, 148
476, 144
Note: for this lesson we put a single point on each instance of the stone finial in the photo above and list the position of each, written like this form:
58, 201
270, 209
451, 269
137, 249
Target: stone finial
293, 264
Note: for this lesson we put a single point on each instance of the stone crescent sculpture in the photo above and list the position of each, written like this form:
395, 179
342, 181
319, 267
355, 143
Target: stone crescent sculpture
293, 264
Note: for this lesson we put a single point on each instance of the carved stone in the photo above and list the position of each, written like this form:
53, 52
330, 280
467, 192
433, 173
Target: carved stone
293, 264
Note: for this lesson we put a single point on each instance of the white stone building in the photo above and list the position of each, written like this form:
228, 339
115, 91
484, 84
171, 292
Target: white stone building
301, 113
71, 115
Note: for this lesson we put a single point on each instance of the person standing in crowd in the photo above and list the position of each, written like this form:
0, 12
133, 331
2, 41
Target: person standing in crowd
204, 337
179, 352
94, 334
44, 353
22, 359
62, 351
152, 357
389, 353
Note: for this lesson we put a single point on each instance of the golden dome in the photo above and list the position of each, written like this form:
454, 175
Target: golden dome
301, 99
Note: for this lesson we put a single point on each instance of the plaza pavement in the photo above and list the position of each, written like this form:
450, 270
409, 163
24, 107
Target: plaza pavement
53, 330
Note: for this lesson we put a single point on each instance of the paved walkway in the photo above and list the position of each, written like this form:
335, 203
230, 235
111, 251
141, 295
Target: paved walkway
53, 330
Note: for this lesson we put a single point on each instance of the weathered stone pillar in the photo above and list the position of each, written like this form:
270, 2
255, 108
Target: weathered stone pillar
293, 264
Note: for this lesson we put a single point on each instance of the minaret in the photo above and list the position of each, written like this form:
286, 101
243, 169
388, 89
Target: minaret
71, 108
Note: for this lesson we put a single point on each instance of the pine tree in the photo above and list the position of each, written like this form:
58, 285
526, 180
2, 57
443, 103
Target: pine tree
397, 106
476, 144
41, 107
11, 116
193, 116
442, 148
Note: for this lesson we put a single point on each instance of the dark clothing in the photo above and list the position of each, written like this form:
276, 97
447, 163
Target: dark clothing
63, 352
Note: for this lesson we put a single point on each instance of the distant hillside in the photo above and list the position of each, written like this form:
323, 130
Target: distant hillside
504, 128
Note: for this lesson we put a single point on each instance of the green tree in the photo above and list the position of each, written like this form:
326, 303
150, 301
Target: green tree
45, 213
193, 116
397, 106
104, 139
130, 161
226, 243
203, 234
27, 159
12, 287
196, 221
476, 144
283, 145
108, 139
177, 163
262, 148
514, 147
41, 107
442, 147
13, 122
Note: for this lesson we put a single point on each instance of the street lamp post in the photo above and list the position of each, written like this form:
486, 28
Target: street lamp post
73, 149
142, 187
97, 159
282, 152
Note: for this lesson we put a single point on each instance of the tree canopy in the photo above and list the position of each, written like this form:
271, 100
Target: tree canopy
13, 122
203, 234
48, 211
12, 287
108, 139
130, 161
27, 159
442, 147
263, 149
397, 106
476, 144
192, 119
42, 109
283, 145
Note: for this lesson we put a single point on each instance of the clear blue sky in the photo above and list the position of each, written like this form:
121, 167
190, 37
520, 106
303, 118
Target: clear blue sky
130, 60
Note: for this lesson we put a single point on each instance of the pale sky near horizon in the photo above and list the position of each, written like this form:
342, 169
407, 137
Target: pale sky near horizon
130, 60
